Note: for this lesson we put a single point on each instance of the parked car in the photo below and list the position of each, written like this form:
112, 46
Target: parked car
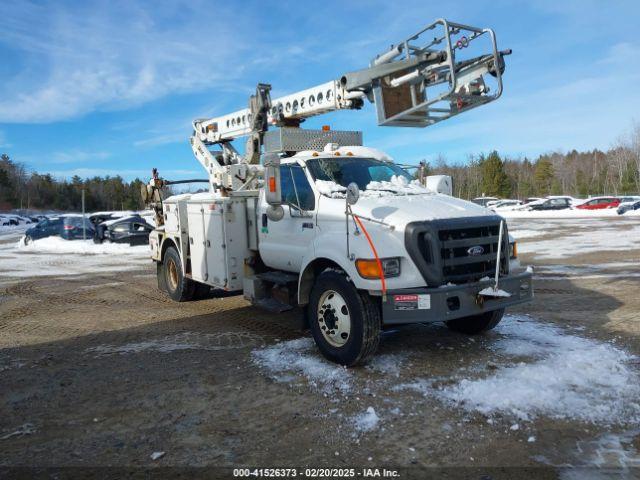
133, 230
483, 201
68, 227
628, 207
6, 221
72, 227
45, 228
11, 219
554, 203
599, 203
629, 199
505, 205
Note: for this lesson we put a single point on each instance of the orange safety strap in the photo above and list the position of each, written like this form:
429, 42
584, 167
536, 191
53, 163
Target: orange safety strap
375, 255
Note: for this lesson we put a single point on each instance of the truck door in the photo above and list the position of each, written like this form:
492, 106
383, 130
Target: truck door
284, 244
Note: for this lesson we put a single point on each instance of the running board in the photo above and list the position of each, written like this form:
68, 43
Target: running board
272, 305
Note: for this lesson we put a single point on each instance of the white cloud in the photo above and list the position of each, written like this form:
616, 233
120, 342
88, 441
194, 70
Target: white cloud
112, 55
78, 156
3, 140
129, 174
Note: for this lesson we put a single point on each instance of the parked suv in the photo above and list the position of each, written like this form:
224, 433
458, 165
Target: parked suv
45, 228
72, 228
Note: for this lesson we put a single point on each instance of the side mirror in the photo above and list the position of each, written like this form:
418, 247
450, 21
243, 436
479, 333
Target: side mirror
273, 191
275, 213
353, 193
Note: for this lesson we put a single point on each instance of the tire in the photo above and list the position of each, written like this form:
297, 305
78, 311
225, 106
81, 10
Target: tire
359, 316
27, 239
476, 324
178, 287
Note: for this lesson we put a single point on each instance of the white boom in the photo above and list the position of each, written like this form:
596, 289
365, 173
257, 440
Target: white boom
422, 80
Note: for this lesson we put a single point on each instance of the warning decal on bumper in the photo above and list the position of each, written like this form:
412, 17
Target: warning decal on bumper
412, 302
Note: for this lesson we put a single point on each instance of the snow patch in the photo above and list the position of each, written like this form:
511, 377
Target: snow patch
387, 364
79, 247
331, 189
398, 185
301, 357
55, 256
366, 421
570, 378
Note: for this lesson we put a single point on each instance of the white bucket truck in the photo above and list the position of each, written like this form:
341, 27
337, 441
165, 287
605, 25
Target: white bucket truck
314, 219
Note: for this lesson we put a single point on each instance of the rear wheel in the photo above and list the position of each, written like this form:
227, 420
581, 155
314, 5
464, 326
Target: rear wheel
178, 287
344, 322
476, 324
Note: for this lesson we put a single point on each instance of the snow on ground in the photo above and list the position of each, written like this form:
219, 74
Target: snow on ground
521, 234
366, 421
56, 256
566, 213
300, 357
182, 341
604, 237
539, 370
568, 377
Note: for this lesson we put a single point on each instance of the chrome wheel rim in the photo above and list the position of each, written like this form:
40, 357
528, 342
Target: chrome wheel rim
334, 318
172, 270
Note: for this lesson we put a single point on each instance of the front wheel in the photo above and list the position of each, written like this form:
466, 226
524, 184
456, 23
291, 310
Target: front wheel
344, 322
476, 324
178, 287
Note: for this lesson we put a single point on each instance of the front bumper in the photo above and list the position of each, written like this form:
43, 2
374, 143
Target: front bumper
448, 302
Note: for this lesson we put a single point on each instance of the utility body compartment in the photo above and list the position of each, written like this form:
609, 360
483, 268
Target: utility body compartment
217, 237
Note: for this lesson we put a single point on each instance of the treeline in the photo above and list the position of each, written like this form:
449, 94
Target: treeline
34, 191
580, 174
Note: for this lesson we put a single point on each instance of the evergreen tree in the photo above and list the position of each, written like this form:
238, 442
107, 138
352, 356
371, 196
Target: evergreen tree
543, 176
494, 179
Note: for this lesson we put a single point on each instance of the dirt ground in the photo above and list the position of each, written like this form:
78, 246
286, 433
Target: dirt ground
80, 388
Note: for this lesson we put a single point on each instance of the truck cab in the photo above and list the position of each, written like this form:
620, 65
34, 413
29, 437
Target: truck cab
436, 252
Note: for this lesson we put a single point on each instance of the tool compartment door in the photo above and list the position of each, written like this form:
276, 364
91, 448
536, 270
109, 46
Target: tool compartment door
214, 235
197, 242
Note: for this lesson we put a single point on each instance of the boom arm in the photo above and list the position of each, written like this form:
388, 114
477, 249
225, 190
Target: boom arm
400, 82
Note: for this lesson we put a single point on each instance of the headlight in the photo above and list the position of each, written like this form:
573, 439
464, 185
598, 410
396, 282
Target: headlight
513, 250
368, 267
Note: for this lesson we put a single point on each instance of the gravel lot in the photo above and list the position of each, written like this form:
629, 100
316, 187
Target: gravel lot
99, 369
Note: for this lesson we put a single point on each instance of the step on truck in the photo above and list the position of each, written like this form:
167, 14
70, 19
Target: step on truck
314, 219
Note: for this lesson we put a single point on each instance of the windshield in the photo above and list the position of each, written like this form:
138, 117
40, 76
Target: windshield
369, 174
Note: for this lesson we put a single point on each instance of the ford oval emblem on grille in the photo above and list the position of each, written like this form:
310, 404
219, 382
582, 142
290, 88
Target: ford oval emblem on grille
475, 251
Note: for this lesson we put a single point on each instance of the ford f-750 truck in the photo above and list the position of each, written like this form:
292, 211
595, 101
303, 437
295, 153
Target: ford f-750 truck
313, 219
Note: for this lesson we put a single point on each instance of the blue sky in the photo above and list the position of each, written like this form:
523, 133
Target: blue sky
106, 88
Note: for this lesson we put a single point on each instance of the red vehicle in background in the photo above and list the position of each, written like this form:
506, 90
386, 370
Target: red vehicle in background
599, 203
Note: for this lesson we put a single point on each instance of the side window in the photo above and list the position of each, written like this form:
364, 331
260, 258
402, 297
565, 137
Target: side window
138, 227
121, 227
303, 189
286, 185
295, 187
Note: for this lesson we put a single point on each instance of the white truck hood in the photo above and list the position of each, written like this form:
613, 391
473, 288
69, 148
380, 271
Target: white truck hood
398, 210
